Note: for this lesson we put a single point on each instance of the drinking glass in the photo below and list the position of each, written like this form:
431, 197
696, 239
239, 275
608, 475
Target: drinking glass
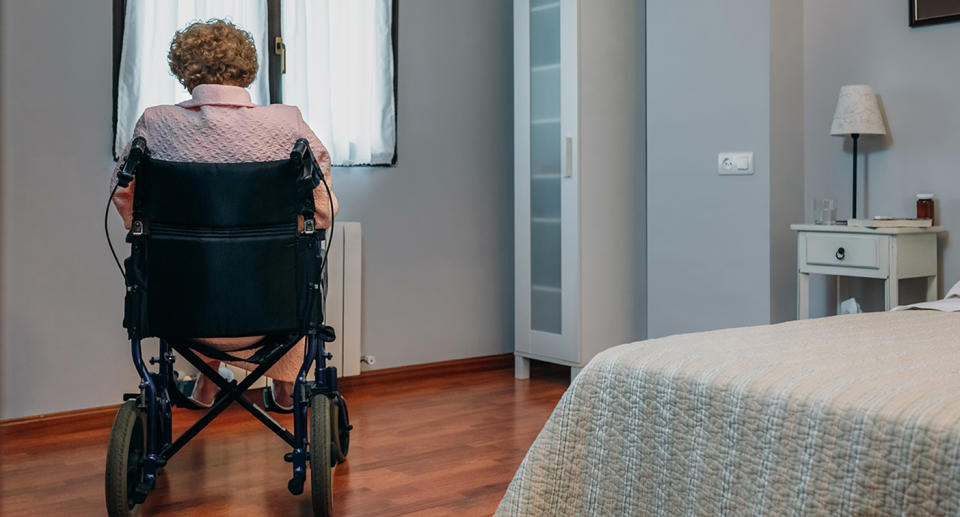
824, 211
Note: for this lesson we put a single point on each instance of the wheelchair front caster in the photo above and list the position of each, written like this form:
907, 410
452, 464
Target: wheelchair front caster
125, 454
295, 485
321, 456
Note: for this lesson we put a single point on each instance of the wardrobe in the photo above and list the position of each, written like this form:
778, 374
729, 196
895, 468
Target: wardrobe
576, 179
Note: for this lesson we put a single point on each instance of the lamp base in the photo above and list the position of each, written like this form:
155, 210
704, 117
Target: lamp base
856, 138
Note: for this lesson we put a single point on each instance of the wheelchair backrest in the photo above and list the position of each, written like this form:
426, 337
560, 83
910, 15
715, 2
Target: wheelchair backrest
217, 252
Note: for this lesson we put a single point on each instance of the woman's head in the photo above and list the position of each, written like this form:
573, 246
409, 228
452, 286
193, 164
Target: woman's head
213, 52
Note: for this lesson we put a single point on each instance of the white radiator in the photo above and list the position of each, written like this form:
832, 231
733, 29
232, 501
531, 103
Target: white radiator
343, 302
344, 297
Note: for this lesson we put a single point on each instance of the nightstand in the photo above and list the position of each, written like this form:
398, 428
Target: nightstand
891, 254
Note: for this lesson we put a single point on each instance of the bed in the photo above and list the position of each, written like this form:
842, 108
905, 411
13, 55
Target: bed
848, 415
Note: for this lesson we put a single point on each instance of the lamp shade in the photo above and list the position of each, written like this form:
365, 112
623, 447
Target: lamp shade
858, 112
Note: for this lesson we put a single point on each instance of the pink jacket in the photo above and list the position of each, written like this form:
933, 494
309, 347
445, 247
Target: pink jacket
221, 125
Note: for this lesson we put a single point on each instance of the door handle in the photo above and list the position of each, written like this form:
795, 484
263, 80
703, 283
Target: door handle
840, 254
568, 157
280, 49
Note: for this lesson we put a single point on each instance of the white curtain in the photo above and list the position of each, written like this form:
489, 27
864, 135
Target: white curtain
145, 78
340, 74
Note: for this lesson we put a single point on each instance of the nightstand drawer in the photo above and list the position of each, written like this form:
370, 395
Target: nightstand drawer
858, 251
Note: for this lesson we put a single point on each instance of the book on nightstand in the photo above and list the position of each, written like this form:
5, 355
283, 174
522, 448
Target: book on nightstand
888, 222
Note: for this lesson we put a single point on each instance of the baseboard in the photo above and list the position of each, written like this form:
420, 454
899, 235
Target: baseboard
105, 414
438, 369
96, 414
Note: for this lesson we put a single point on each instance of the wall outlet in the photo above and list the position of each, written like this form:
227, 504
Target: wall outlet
735, 163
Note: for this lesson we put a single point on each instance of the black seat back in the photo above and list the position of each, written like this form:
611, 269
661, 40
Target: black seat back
217, 251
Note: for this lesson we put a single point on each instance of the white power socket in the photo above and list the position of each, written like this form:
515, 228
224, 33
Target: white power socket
735, 163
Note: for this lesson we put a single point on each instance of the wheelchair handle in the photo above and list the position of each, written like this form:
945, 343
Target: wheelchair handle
138, 149
300, 149
303, 158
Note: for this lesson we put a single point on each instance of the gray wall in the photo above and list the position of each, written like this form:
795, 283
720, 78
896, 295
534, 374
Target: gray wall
437, 228
916, 72
62, 343
708, 90
723, 76
786, 153
641, 158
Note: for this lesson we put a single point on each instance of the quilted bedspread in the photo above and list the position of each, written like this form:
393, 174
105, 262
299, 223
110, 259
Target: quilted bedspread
849, 415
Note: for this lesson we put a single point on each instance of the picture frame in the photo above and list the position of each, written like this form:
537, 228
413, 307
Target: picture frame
930, 12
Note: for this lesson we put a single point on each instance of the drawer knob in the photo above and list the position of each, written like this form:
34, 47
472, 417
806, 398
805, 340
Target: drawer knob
841, 253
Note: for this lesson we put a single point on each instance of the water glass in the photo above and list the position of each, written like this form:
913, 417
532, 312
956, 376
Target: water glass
824, 211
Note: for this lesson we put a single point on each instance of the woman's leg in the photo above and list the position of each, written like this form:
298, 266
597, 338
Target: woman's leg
283, 373
283, 392
206, 390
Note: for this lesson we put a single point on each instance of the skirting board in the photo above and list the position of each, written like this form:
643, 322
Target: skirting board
438, 369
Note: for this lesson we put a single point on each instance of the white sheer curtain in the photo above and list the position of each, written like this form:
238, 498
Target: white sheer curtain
145, 78
339, 67
340, 74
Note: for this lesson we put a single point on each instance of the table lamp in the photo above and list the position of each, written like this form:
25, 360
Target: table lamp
858, 113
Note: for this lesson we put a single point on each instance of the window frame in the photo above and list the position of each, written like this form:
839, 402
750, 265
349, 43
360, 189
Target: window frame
275, 79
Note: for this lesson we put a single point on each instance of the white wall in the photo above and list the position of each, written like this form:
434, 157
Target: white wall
916, 72
437, 228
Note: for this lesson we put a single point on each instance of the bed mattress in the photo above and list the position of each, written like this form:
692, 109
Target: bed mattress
848, 415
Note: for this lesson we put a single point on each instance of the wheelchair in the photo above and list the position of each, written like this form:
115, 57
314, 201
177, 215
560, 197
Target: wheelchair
224, 250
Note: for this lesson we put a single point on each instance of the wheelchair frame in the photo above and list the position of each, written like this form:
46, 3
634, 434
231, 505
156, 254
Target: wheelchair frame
154, 398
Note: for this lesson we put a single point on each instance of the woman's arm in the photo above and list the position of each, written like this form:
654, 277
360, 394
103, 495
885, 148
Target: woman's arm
320, 198
123, 198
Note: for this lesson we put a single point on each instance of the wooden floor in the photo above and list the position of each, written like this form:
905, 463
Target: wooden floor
426, 446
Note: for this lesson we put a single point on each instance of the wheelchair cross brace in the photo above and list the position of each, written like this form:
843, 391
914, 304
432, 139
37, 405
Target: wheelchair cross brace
232, 392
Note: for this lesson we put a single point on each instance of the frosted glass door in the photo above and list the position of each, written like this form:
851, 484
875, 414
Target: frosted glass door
546, 282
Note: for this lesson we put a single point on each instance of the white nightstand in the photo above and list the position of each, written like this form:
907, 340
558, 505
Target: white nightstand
891, 254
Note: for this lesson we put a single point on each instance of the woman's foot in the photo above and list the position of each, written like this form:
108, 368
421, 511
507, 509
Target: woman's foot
205, 392
279, 397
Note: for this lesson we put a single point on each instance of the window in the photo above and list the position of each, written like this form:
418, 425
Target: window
339, 65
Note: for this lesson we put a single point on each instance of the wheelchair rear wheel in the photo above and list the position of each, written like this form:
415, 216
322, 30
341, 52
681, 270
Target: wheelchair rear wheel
125, 453
321, 456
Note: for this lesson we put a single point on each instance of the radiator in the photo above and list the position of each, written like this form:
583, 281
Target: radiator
344, 298
343, 302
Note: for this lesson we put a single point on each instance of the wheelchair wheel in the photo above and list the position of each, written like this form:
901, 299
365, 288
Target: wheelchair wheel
321, 456
340, 429
125, 453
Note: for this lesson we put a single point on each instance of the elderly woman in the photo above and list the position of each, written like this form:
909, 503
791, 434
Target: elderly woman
215, 61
